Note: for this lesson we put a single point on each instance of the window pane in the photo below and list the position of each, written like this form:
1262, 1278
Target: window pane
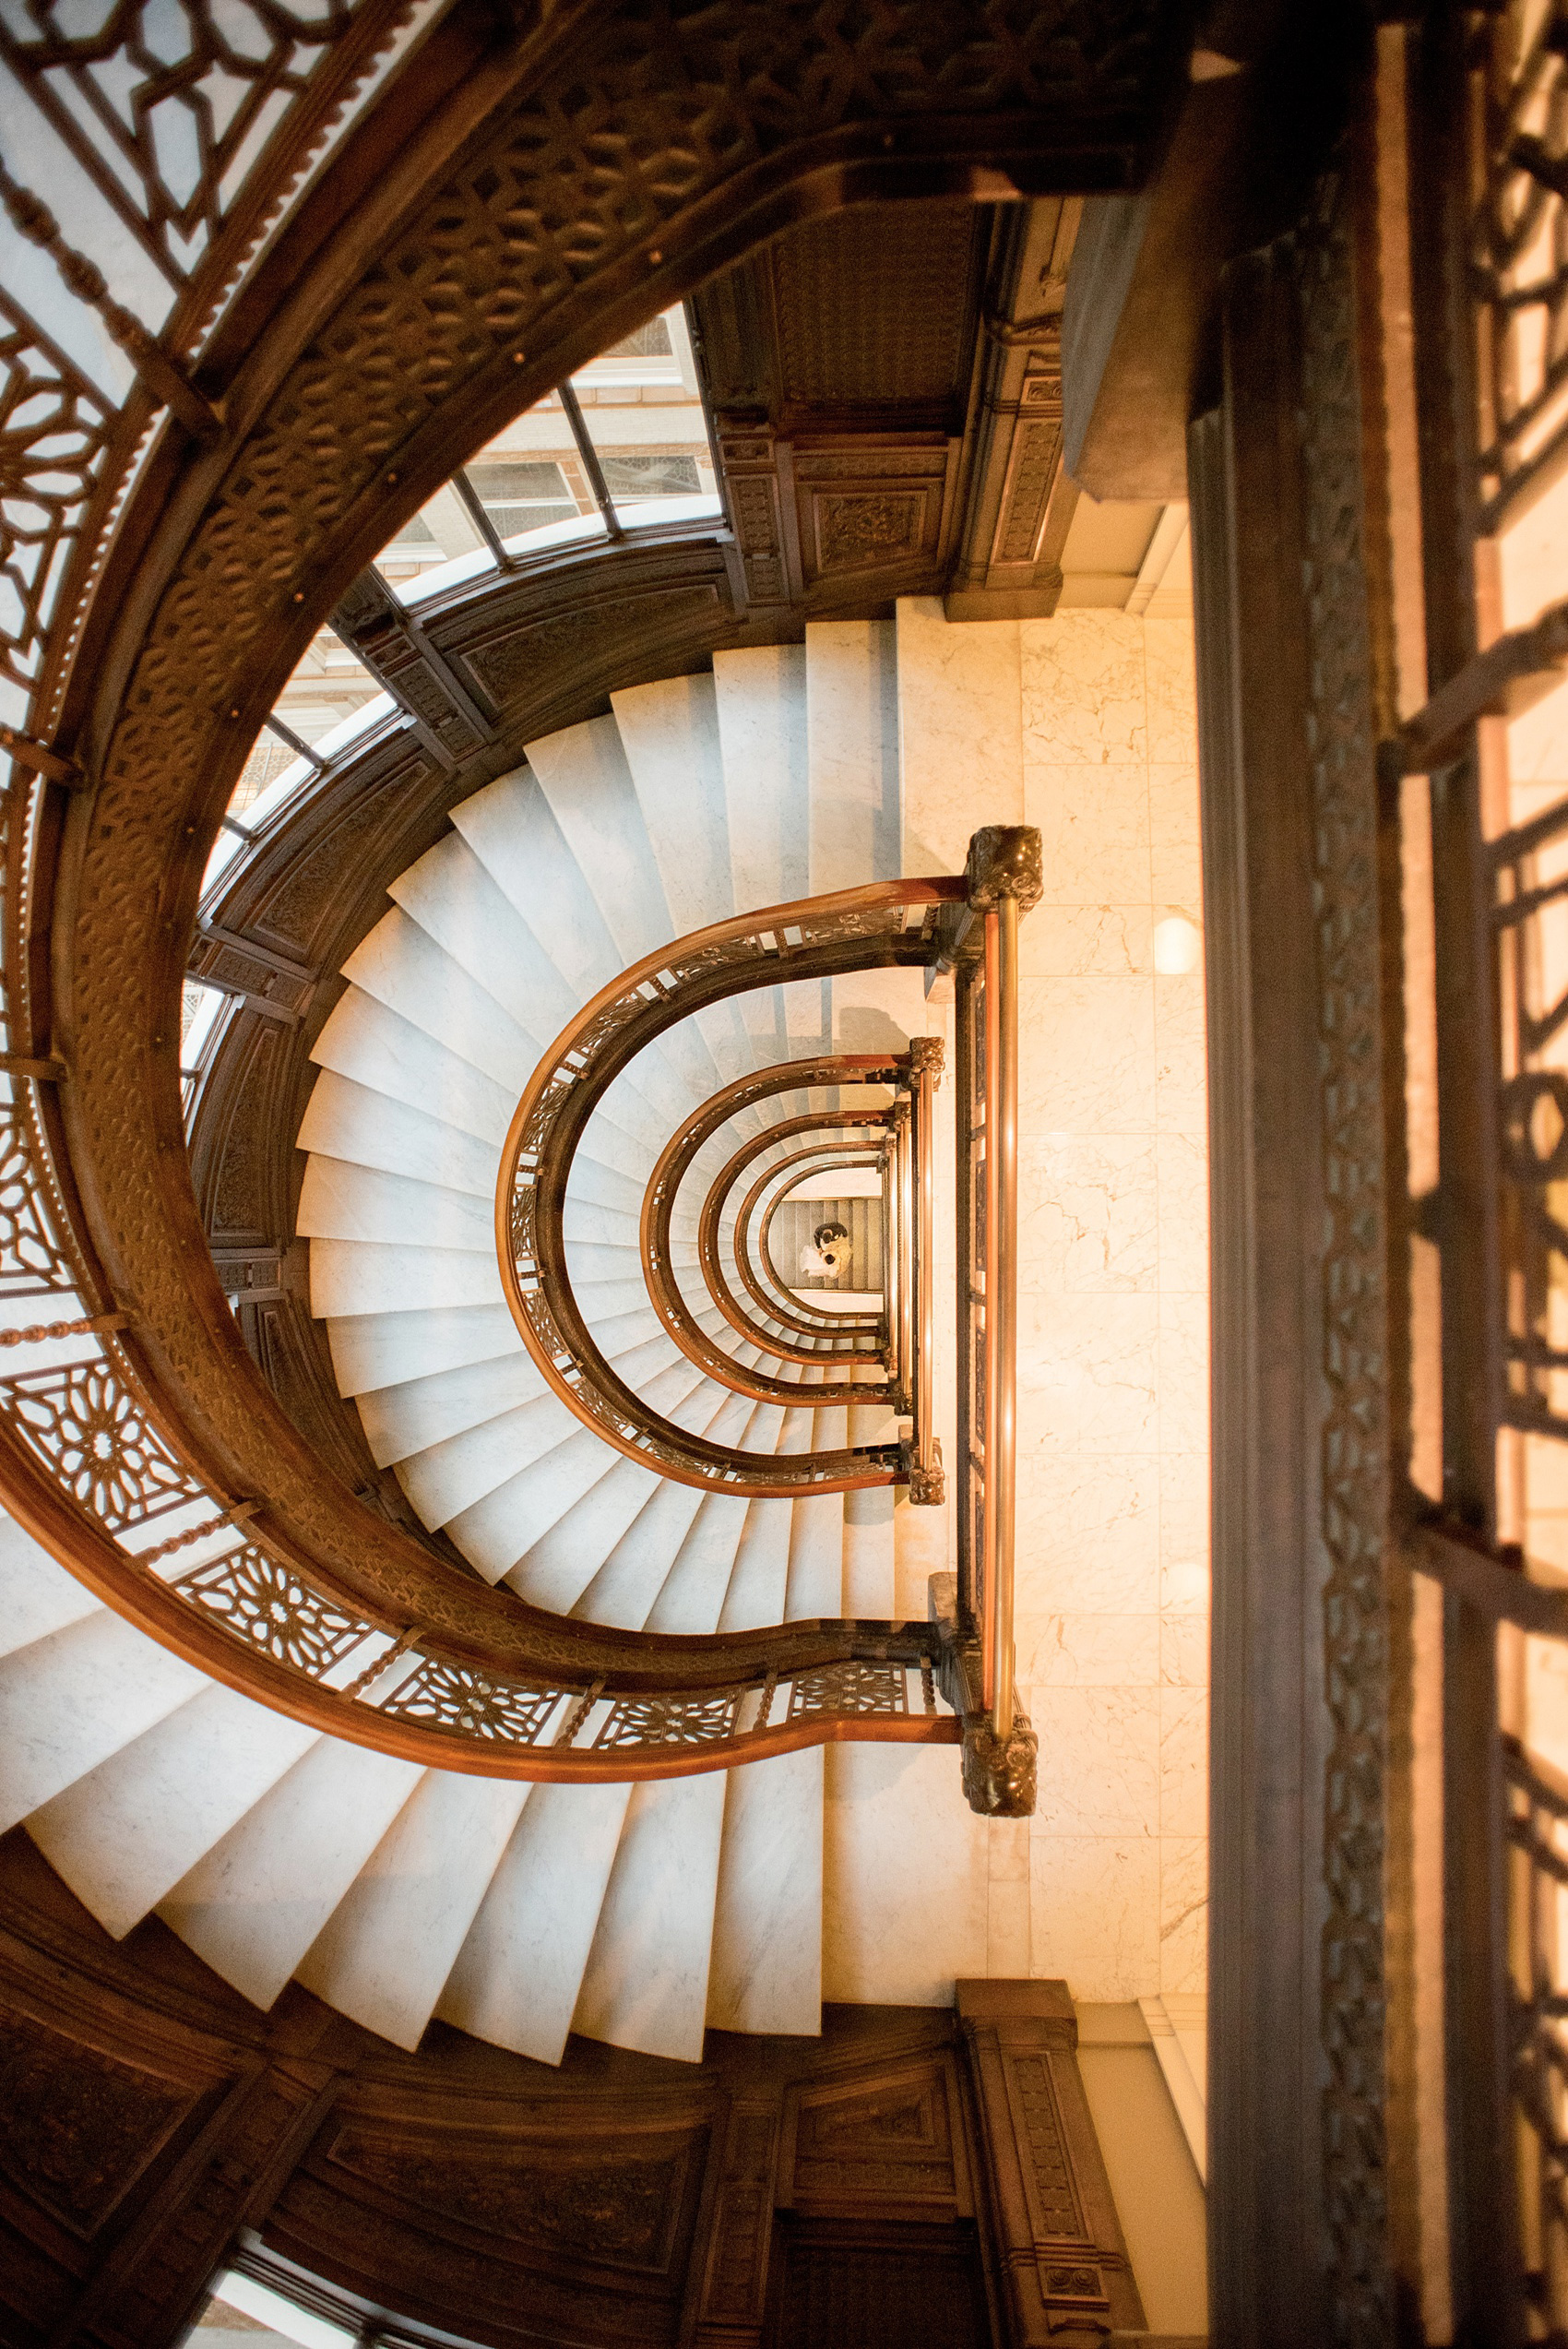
329, 685
521, 494
644, 418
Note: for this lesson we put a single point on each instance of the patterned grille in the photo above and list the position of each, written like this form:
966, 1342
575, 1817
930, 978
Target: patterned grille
851, 1689
469, 1704
269, 1608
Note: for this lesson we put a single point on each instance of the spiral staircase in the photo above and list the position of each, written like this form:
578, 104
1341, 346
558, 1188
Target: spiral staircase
633, 1910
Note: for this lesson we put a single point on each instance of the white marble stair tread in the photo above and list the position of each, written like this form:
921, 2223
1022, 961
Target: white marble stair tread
405, 1417
384, 1954
501, 1527
382, 1050
853, 753
669, 734
402, 968
583, 773
516, 1977
559, 1495
626, 1584
644, 1985
341, 1201
401, 1420
759, 1578
250, 1907
511, 828
814, 1581
456, 900
69, 1701
760, 707
448, 1478
765, 1969
559, 1566
37, 1595
126, 1832
377, 1350
354, 1277
345, 1119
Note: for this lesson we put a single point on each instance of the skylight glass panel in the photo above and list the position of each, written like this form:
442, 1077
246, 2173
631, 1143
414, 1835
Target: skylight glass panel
643, 414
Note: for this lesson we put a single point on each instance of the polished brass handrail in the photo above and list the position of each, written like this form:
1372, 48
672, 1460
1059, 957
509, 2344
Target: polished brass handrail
825, 1319
659, 1202
927, 1483
825, 1333
982, 946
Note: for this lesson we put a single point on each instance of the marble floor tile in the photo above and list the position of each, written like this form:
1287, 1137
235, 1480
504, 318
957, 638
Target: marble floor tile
1182, 1049
1184, 1532
1083, 687
1087, 941
1170, 684
1099, 1759
1182, 1173
1183, 1912
1093, 837
1089, 1650
1175, 852
1094, 1913
1088, 1533
1087, 1058
1087, 1213
1088, 1373
1184, 1761
1183, 1372
1184, 1650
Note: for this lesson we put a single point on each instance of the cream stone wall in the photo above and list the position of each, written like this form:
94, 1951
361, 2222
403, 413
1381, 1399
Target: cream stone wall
1083, 725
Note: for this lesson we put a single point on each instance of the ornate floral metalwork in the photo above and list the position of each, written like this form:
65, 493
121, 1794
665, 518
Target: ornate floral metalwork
687, 1718
466, 1703
55, 429
1520, 255
1536, 1827
99, 1442
268, 1607
849, 1687
177, 113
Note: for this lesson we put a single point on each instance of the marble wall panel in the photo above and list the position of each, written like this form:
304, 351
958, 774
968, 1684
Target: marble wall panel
960, 736
1094, 1911
1084, 689
1088, 1212
1183, 1914
1094, 831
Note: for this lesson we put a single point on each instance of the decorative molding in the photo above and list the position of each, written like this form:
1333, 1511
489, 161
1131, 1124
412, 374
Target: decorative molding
1355, 1493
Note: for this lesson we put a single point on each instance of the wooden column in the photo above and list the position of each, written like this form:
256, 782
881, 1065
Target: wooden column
1062, 2261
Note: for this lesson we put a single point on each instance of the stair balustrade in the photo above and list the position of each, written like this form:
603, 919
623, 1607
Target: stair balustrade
837, 1338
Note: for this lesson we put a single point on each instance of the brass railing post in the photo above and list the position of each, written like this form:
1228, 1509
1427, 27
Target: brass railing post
927, 1481
1003, 876
903, 1185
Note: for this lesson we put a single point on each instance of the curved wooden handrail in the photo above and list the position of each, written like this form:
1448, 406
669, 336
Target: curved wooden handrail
885, 925
832, 1319
753, 1269
659, 1202
713, 1272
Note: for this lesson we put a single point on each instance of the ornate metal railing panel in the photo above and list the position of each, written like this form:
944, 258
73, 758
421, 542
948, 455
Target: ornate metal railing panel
1487, 150
174, 139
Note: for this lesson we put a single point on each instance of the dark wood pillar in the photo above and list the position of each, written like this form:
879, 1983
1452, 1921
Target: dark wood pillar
1286, 741
1061, 2262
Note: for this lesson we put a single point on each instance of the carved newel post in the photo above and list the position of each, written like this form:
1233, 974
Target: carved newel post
1063, 2264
